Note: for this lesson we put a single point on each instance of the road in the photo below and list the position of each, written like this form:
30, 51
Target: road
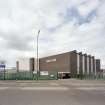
61, 92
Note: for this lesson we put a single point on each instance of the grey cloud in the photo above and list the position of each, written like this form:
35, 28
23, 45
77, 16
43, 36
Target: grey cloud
18, 18
17, 41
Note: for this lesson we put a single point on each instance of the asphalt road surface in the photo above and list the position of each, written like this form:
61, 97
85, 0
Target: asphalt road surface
61, 92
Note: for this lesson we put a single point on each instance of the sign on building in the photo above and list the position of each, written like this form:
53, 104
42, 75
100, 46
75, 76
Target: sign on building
44, 73
50, 60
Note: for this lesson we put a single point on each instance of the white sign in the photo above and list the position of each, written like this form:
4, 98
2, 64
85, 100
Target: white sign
34, 72
44, 73
50, 60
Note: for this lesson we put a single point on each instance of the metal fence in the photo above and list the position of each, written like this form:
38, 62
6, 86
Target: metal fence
28, 76
51, 76
91, 77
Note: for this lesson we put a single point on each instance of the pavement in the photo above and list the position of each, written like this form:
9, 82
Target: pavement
54, 92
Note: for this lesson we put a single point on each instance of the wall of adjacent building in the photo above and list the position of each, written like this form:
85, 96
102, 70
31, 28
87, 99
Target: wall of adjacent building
26, 64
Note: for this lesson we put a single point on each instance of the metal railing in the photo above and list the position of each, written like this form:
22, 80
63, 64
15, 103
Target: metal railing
90, 77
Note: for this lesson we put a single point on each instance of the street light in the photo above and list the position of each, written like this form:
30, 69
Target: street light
37, 66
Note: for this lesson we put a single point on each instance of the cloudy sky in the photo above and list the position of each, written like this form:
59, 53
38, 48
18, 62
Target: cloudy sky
65, 25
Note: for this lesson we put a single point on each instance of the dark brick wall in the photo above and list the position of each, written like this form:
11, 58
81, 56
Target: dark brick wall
62, 63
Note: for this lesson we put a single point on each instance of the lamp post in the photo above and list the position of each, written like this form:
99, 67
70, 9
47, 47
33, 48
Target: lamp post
37, 66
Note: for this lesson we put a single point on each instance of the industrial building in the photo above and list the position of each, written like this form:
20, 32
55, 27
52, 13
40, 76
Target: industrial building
69, 64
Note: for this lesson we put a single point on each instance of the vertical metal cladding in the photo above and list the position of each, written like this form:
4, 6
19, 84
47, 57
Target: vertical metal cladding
89, 64
92, 65
97, 65
85, 61
73, 63
80, 63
